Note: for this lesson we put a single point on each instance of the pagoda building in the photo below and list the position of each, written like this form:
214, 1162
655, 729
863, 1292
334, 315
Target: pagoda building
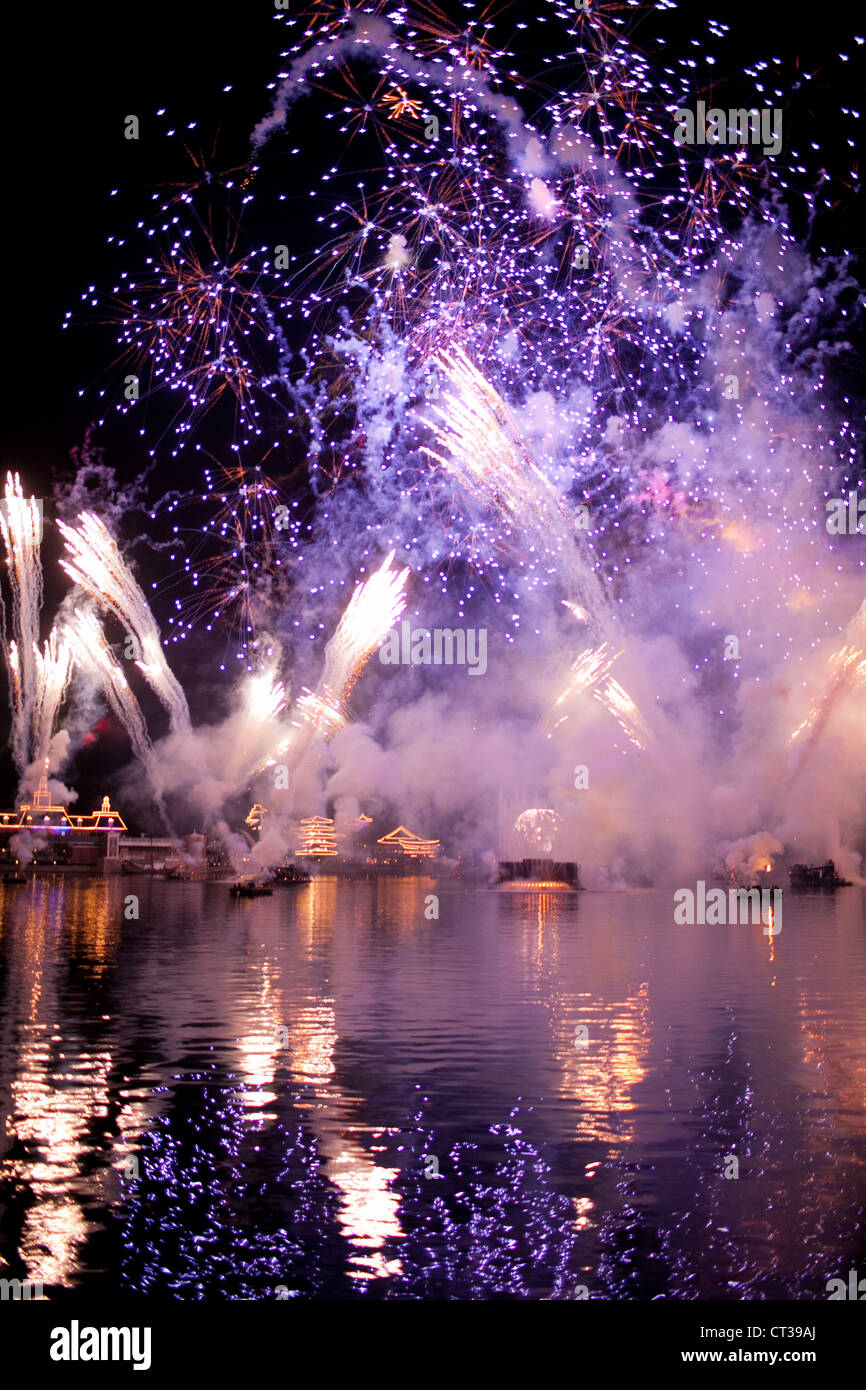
403, 843
317, 838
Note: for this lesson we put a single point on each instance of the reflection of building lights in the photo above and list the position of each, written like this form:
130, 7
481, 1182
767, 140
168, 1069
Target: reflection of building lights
369, 1209
56, 1097
582, 1206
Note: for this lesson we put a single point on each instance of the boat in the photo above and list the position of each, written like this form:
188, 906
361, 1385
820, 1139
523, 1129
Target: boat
251, 890
537, 876
14, 878
818, 876
289, 874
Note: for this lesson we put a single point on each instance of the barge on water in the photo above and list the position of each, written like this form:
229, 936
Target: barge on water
537, 876
823, 876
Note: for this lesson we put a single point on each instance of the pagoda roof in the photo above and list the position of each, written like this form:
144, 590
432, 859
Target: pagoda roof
398, 836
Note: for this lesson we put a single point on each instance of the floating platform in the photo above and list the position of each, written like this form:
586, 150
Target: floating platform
817, 876
288, 874
537, 876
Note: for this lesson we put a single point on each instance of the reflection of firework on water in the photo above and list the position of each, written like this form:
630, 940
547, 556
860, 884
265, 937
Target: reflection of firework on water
21, 526
537, 829
96, 564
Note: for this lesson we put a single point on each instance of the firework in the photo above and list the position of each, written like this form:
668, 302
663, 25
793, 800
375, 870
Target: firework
537, 829
591, 672
97, 565
232, 568
91, 651
847, 668
197, 322
482, 450
21, 525
53, 670
374, 607
510, 321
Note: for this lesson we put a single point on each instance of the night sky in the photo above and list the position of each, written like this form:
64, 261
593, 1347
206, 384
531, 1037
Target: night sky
73, 74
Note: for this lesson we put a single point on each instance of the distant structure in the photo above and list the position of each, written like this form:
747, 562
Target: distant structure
322, 839
317, 838
528, 865
824, 876
61, 838
256, 817
538, 876
405, 844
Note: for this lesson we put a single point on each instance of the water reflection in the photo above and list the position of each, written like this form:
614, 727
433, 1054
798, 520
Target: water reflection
327, 1091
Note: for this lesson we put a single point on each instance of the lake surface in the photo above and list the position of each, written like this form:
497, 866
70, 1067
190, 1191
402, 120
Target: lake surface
252, 1099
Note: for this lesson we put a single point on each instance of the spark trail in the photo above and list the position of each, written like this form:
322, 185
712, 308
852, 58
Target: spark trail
92, 652
53, 670
21, 525
96, 564
374, 607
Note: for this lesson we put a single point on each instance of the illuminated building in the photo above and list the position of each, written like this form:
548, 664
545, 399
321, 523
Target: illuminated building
405, 844
61, 836
317, 838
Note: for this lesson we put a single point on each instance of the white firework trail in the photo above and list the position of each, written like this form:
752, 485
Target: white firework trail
371, 612
53, 669
847, 670
591, 672
264, 697
21, 525
96, 564
482, 449
91, 651
264, 700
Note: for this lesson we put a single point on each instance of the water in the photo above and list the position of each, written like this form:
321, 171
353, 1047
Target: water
251, 1099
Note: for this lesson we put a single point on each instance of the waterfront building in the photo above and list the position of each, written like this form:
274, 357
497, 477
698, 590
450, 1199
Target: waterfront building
61, 836
401, 844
